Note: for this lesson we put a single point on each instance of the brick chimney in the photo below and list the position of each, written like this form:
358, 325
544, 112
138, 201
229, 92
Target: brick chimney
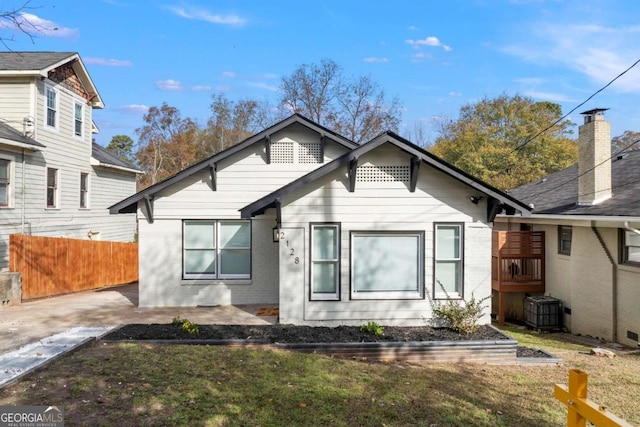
594, 158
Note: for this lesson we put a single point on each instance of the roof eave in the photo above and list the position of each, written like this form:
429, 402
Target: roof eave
21, 145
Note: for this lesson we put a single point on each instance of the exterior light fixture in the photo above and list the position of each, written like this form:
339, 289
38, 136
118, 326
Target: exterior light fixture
276, 234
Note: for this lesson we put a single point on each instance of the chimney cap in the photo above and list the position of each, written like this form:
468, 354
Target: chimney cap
594, 111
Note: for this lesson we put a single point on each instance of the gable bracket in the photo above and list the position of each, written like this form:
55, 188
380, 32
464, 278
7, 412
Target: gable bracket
353, 167
213, 172
278, 213
323, 144
494, 207
267, 148
148, 204
415, 169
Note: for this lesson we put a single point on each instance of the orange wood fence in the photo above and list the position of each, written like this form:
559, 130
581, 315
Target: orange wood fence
54, 266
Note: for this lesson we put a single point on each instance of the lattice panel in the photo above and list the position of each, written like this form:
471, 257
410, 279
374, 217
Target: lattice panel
309, 152
282, 152
383, 173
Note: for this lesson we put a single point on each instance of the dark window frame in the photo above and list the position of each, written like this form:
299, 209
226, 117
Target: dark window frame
564, 244
624, 249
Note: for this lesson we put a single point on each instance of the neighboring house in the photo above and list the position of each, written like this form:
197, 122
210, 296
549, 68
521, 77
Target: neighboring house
590, 213
53, 180
331, 232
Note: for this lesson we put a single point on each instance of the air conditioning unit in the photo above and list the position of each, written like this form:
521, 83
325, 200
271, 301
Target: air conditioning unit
543, 313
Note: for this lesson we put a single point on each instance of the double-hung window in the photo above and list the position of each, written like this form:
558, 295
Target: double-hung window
5, 182
564, 239
51, 107
217, 249
630, 247
448, 252
387, 265
52, 188
84, 190
325, 262
78, 111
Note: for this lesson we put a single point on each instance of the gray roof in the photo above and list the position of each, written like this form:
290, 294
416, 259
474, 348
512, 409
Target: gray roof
497, 200
23, 61
9, 133
109, 159
557, 194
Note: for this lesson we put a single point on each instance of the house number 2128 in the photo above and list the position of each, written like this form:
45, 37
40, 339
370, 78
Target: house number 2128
292, 251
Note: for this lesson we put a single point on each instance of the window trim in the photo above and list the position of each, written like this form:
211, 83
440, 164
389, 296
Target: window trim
397, 295
562, 250
318, 296
217, 275
86, 191
80, 135
438, 294
56, 188
9, 183
623, 250
55, 109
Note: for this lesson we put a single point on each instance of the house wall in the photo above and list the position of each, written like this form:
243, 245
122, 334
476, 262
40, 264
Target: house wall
584, 282
242, 178
71, 156
380, 206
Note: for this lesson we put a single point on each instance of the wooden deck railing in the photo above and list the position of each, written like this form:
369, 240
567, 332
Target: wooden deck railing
54, 266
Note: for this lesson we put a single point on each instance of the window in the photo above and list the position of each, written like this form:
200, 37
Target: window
217, 249
387, 265
52, 188
448, 252
77, 122
564, 239
630, 247
52, 107
84, 190
325, 261
5, 182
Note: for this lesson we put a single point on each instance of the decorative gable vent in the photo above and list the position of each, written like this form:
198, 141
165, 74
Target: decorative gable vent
293, 152
383, 174
281, 152
309, 152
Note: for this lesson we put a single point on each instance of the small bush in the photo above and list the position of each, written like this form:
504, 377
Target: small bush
459, 315
372, 328
187, 325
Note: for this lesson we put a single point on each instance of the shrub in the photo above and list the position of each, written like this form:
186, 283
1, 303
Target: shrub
459, 315
372, 328
187, 325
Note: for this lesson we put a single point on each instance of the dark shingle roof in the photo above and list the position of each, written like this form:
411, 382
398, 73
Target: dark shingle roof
558, 193
22, 61
107, 158
9, 133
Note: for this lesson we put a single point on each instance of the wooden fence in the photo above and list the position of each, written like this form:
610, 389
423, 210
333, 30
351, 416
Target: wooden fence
54, 266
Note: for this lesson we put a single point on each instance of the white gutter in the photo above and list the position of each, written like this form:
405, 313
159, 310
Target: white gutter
20, 145
599, 218
121, 168
630, 228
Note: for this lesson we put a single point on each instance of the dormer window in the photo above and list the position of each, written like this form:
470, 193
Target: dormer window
51, 110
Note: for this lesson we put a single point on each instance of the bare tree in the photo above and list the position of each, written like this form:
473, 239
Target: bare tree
13, 19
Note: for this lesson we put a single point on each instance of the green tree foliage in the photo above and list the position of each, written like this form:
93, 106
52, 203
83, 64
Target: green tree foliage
122, 146
355, 107
628, 140
488, 140
167, 144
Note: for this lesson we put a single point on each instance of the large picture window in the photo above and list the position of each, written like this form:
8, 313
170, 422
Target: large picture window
387, 265
630, 247
217, 249
448, 252
325, 261
5, 182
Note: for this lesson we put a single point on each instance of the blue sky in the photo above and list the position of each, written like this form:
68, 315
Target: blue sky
435, 56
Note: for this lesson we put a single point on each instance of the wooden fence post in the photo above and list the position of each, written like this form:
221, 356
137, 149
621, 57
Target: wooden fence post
580, 408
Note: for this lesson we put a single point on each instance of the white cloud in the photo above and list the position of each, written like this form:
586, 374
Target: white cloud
200, 88
428, 41
373, 59
41, 27
108, 62
169, 84
413, 28
204, 15
547, 96
447, 48
265, 86
420, 56
134, 108
455, 94
228, 74
221, 88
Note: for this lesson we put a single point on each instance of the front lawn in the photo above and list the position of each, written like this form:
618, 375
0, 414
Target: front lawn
144, 384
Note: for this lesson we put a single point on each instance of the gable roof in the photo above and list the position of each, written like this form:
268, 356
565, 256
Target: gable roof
497, 199
40, 63
103, 157
557, 194
10, 136
129, 204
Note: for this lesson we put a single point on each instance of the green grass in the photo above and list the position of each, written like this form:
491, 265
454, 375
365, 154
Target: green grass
138, 384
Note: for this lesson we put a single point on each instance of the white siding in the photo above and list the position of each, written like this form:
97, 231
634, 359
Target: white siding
16, 101
386, 206
241, 179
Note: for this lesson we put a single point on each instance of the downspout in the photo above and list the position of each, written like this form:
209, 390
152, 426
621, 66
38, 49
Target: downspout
630, 228
614, 282
22, 210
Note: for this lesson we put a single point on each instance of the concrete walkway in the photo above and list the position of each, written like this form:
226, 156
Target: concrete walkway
35, 333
